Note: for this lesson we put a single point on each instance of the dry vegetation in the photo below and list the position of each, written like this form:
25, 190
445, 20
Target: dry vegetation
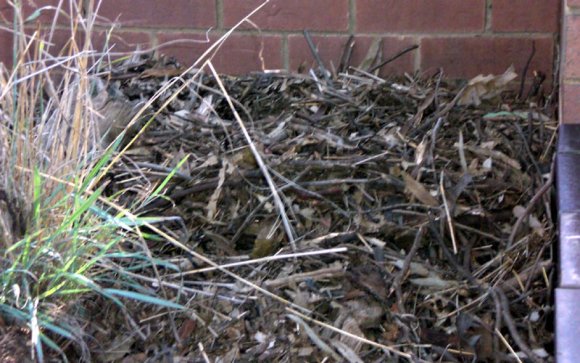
150, 212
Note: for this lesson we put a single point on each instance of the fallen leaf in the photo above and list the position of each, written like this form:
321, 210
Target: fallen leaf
419, 191
483, 87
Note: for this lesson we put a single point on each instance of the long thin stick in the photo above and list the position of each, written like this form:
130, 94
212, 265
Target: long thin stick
126, 213
539, 194
261, 260
205, 58
448, 215
353, 336
259, 161
396, 56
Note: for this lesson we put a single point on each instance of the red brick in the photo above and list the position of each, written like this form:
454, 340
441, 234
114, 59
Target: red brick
570, 103
28, 8
420, 16
573, 3
118, 42
240, 54
330, 49
571, 46
6, 48
61, 45
6, 12
198, 14
525, 15
122, 41
468, 57
322, 15
33, 50
47, 11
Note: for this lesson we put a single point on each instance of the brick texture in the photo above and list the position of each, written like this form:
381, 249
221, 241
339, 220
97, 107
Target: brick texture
49, 11
123, 41
572, 47
570, 64
324, 15
239, 54
330, 49
63, 43
466, 37
117, 43
6, 12
420, 16
37, 11
467, 57
5, 48
196, 14
525, 15
570, 103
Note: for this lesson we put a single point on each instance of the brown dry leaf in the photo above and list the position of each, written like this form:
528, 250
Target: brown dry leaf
433, 282
314, 337
370, 279
533, 221
119, 348
373, 55
267, 241
161, 72
187, 328
391, 332
205, 108
419, 191
484, 348
301, 298
368, 314
214, 199
483, 87
351, 326
245, 159
116, 114
497, 155
309, 215
344, 139
415, 268
422, 107
367, 226
421, 151
210, 160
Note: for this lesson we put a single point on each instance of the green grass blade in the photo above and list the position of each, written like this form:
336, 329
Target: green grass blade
36, 196
83, 206
103, 160
145, 298
169, 176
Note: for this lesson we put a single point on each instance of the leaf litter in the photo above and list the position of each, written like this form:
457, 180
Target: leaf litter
419, 220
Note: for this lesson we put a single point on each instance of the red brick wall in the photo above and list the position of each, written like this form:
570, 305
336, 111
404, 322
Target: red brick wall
570, 72
465, 37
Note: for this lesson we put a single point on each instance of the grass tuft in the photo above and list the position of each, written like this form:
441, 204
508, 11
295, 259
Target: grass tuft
59, 241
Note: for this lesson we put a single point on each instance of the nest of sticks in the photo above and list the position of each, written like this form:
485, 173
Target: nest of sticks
361, 218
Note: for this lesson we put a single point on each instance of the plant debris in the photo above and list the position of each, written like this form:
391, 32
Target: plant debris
413, 223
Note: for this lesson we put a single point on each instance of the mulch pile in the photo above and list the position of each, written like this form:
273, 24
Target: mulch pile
416, 223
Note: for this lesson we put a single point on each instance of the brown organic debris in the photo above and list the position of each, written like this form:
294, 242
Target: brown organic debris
424, 186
